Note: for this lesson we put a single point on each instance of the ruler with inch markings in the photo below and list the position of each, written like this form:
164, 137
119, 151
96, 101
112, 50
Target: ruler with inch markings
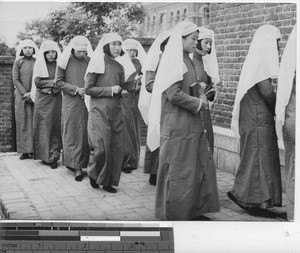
52, 237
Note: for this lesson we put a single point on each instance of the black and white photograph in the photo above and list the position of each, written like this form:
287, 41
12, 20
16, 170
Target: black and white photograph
148, 111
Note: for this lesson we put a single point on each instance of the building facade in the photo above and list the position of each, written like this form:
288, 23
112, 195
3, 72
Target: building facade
164, 16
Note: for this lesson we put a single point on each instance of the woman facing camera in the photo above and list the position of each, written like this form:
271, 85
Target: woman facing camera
47, 106
105, 125
131, 113
22, 78
70, 79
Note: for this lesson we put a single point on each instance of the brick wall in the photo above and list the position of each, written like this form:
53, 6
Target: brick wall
7, 125
234, 25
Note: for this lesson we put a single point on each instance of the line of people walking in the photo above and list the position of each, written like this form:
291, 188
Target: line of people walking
75, 103
88, 104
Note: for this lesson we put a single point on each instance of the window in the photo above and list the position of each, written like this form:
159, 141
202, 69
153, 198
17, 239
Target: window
148, 25
177, 17
171, 19
153, 24
161, 22
204, 11
184, 15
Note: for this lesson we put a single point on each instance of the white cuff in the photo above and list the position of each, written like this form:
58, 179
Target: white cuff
112, 91
76, 91
200, 104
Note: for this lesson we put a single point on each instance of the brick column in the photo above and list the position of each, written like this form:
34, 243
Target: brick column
7, 119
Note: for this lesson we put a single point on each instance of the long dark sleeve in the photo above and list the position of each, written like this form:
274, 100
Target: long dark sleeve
43, 83
62, 85
180, 98
150, 77
93, 91
16, 78
268, 94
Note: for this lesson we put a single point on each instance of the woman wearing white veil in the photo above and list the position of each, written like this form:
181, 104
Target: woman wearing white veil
22, 78
104, 76
150, 64
207, 70
286, 116
257, 184
149, 69
130, 111
47, 106
70, 79
175, 126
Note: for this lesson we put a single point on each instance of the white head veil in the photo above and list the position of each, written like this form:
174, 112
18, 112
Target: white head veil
26, 43
262, 62
154, 52
150, 64
285, 81
210, 61
171, 70
134, 44
97, 64
40, 67
79, 43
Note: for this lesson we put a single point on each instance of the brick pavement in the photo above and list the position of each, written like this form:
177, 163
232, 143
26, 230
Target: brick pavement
30, 190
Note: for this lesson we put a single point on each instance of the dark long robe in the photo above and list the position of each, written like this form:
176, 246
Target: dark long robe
22, 79
151, 158
186, 179
132, 124
289, 145
47, 118
258, 179
105, 124
203, 77
74, 114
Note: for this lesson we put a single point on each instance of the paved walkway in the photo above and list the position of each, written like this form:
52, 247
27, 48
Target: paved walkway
30, 190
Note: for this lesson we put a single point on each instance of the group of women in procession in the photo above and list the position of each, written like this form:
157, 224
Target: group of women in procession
88, 104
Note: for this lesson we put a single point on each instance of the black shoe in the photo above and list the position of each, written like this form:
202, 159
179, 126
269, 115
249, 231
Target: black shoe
133, 168
24, 156
30, 155
53, 165
93, 183
232, 198
257, 211
79, 175
70, 168
126, 170
152, 179
282, 216
109, 189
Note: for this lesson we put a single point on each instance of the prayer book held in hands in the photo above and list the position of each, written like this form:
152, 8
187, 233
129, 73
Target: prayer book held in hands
128, 86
